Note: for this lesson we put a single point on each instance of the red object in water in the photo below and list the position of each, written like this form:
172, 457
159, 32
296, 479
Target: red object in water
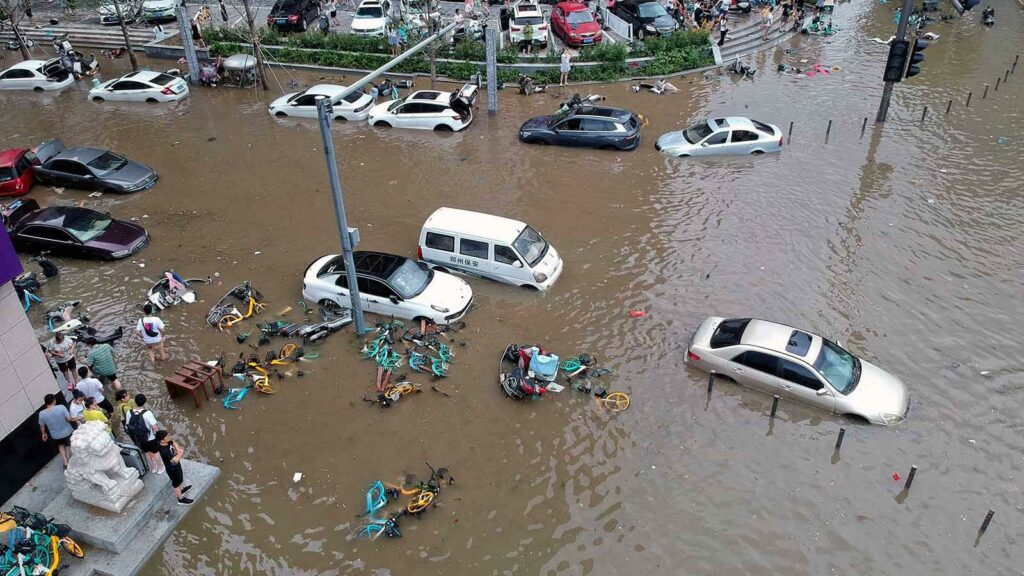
895, 476
637, 313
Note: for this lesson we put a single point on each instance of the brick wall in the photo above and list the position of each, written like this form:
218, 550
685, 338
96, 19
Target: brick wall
25, 376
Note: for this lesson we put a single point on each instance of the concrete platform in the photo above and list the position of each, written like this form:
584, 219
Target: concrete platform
115, 544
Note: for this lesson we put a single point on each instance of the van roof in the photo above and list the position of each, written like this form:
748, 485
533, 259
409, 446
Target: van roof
475, 224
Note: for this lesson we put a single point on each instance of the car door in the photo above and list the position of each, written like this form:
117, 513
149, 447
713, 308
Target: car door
599, 133
128, 90
474, 256
433, 114
304, 106
569, 132
406, 115
558, 23
17, 79
379, 298
799, 383
756, 369
508, 267
79, 175
713, 144
741, 142
51, 239
63, 172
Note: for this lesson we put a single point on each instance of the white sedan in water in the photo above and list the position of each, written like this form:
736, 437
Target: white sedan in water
141, 86
354, 107
36, 75
721, 136
427, 110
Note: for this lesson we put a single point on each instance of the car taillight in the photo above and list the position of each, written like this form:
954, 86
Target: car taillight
691, 356
543, 27
270, 19
781, 139
293, 18
456, 117
419, 252
167, 91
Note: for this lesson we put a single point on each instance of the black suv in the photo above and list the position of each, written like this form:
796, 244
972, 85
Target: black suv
585, 126
291, 15
647, 18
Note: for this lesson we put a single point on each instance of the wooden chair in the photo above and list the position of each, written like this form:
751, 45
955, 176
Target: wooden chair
188, 381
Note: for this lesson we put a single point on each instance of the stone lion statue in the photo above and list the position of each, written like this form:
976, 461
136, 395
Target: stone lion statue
97, 474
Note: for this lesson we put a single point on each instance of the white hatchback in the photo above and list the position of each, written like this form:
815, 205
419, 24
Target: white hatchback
528, 16
427, 110
355, 106
370, 18
141, 86
36, 75
389, 285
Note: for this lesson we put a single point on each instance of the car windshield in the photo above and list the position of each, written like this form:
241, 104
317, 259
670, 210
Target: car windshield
839, 367
396, 104
531, 246
652, 10
528, 20
410, 278
370, 12
697, 132
580, 17
6, 174
86, 224
106, 163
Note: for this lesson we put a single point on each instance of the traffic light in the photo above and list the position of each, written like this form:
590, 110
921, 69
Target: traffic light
916, 57
897, 61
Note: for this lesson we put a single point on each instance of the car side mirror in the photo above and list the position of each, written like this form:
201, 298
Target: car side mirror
703, 144
823, 391
393, 298
89, 176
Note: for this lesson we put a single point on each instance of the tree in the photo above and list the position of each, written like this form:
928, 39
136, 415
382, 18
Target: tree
126, 12
261, 70
13, 11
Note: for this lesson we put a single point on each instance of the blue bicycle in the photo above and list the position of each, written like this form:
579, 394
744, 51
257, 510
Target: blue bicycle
27, 283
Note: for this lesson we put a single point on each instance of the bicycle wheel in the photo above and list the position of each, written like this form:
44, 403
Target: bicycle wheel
420, 502
72, 547
614, 402
228, 320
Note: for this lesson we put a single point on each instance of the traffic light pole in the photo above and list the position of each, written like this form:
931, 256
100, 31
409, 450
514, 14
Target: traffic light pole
901, 35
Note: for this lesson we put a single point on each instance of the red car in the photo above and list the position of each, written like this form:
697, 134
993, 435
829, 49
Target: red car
575, 25
16, 175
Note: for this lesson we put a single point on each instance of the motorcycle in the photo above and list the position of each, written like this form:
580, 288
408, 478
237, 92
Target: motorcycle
173, 289
29, 281
527, 86
527, 371
58, 319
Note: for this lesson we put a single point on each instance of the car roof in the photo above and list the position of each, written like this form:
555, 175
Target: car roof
474, 224
53, 215
530, 9
776, 337
329, 90
735, 122
81, 154
143, 75
7, 157
29, 64
430, 96
376, 264
602, 112
571, 6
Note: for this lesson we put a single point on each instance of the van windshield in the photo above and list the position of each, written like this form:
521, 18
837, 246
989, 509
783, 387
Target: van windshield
531, 246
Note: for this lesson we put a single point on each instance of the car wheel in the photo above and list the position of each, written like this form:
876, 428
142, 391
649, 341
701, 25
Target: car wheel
151, 100
280, 114
640, 35
757, 152
381, 124
330, 305
302, 24
857, 419
683, 156
441, 269
530, 288
537, 141
443, 128
109, 190
37, 89
97, 99
342, 118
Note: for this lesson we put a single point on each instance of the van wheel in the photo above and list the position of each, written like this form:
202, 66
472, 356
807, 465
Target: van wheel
530, 288
329, 305
441, 269
381, 124
443, 128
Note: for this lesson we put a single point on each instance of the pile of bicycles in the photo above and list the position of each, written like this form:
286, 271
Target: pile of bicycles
226, 314
33, 543
257, 372
421, 496
583, 369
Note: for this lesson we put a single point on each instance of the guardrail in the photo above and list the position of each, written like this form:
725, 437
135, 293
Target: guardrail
618, 25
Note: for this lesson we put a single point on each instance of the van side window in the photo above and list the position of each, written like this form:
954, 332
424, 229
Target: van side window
474, 248
440, 242
505, 255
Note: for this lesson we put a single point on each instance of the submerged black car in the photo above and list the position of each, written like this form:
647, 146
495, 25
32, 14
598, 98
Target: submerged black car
648, 18
91, 169
586, 127
72, 231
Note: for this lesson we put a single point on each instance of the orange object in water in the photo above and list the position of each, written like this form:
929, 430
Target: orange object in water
637, 313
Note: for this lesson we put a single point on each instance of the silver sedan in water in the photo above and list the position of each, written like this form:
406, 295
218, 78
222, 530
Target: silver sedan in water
798, 366
715, 136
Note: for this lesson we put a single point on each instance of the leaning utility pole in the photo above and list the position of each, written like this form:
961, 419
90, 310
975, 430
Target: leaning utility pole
15, 12
898, 42
124, 32
251, 20
349, 236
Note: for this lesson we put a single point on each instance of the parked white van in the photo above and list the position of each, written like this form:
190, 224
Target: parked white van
490, 247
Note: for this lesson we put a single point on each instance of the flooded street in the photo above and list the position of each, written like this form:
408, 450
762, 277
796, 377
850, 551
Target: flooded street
904, 244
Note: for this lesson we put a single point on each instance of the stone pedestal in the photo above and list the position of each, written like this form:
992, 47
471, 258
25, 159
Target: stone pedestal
97, 474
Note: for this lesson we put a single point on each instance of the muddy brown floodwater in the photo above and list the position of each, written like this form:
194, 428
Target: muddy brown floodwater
904, 244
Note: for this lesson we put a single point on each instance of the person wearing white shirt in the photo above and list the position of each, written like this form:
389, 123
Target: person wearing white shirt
93, 388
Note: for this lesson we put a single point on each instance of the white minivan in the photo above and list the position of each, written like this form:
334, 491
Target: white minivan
490, 247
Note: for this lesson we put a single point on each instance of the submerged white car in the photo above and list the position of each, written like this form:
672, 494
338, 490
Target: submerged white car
719, 136
370, 18
427, 110
388, 285
158, 10
36, 75
355, 106
798, 366
141, 86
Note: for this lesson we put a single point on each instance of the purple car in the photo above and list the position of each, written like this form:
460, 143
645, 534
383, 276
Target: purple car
72, 231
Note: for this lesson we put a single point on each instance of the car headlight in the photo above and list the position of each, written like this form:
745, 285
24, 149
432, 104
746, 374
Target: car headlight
890, 419
651, 28
440, 309
540, 277
121, 254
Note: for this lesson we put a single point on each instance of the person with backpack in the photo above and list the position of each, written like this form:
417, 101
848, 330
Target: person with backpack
122, 409
142, 429
151, 330
171, 453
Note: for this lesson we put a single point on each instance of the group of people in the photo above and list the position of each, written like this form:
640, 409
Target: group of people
87, 381
714, 16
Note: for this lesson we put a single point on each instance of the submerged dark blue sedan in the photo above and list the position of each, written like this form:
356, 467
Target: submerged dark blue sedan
585, 126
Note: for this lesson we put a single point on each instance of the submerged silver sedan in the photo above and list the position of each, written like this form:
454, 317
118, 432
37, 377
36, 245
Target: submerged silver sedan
715, 136
798, 366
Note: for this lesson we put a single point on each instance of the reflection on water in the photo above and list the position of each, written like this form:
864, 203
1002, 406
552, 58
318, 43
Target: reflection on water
901, 243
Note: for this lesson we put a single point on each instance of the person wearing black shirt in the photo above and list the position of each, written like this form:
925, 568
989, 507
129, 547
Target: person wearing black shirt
171, 454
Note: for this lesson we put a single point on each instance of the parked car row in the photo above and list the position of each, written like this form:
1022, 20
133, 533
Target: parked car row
139, 86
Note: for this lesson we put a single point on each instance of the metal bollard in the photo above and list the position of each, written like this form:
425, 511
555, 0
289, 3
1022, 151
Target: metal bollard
998, 80
863, 127
1006, 76
711, 382
789, 135
924, 114
839, 440
775, 405
828, 130
969, 94
985, 95
910, 478
948, 106
988, 519
1013, 70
